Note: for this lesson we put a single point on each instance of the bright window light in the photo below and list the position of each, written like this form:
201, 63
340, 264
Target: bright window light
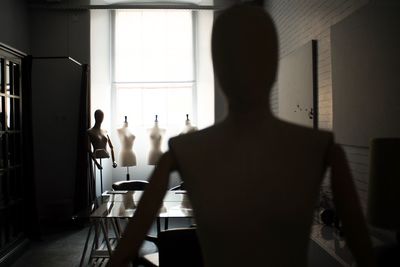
153, 46
141, 103
154, 67
146, 63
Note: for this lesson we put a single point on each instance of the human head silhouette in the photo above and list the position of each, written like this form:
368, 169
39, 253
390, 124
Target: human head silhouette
245, 55
98, 116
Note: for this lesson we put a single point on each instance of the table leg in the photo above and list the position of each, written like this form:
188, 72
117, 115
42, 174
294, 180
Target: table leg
85, 247
158, 225
116, 227
102, 224
165, 223
96, 234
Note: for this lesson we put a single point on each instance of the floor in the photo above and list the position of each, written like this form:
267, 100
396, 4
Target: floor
64, 249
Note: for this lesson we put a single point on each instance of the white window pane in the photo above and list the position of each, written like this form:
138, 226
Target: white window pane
129, 103
154, 103
153, 46
179, 104
171, 102
179, 52
153, 51
128, 44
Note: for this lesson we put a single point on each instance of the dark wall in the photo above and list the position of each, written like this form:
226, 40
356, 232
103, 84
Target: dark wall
60, 33
298, 22
14, 24
55, 89
55, 110
365, 70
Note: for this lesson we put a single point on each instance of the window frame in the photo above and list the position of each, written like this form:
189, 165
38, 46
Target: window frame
114, 84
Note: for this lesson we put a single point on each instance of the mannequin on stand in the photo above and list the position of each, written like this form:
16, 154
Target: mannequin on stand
188, 126
99, 139
127, 157
156, 135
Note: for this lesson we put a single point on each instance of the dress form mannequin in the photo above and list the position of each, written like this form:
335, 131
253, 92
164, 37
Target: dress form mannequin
127, 156
156, 135
188, 126
99, 139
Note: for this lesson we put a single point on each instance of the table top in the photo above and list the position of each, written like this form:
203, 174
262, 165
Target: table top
122, 204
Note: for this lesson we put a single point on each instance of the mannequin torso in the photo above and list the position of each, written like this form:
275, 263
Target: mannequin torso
127, 156
189, 128
246, 156
99, 139
156, 135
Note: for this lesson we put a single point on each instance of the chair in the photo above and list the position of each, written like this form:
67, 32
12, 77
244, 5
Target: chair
131, 185
176, 247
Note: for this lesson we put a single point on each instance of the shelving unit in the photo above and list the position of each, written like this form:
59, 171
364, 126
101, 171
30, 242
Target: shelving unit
11, 165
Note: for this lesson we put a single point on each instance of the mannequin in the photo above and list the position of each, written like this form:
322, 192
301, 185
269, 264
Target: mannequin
265, 173
99, 140
156, 135
188, 126
127, 156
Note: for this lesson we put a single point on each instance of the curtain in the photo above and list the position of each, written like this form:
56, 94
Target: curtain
31, 223
84, 184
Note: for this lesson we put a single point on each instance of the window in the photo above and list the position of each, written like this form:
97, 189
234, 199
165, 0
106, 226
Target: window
153, 71
146, 63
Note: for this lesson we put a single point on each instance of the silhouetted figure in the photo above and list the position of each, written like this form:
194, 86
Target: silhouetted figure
99, 140
252, 179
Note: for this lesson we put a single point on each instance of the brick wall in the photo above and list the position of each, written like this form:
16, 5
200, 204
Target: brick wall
299, 21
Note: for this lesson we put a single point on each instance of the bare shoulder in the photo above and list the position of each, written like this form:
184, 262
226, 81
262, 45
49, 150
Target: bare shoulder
301, 131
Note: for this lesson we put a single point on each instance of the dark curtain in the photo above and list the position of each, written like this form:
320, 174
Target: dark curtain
83, 196
31, 220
